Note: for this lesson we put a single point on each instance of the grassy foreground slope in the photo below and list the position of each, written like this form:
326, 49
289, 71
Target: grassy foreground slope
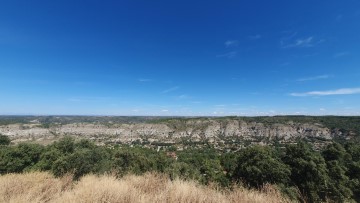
150, 187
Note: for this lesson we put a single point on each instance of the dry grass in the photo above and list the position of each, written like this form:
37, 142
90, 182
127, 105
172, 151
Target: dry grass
43, 187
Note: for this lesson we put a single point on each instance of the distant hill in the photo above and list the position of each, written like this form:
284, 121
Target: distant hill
222, 132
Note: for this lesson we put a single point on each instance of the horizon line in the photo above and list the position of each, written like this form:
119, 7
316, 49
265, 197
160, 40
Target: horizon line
193, 116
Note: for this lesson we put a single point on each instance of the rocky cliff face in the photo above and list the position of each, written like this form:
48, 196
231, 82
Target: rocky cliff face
195, 129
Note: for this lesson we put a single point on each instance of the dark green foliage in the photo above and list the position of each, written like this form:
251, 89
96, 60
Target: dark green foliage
353, 165
4, 140
126, 161
211, 171
335, 151
336, 158
66, 145
81, 162
258, 165
48, 158
229, 162
353, 149
207, 164
182, 170
79, 158
301, 173
138, 161
308, 171
20, 158
338, 185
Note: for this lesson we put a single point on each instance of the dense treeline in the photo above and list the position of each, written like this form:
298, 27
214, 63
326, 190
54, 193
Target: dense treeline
47, 121
302, 173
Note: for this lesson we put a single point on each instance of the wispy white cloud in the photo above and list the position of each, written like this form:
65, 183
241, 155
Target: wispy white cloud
183, 96
339, 17
75, 100
319, 77
88, 99
255, 37
304, 42
170, 90
196, 102
285, 64
145, 80
220, 105
231, 54
342, 91
341, 54
231, 43
292, 41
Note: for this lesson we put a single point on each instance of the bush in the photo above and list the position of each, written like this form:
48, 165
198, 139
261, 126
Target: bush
182, 170
299, 171
4, 140
258, 165
20, 158
308, 171
125, 162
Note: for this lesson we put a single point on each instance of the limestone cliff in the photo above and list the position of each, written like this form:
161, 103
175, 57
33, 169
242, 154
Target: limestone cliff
196, 129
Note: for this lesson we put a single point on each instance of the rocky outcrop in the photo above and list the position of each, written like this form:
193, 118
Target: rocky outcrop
195, 129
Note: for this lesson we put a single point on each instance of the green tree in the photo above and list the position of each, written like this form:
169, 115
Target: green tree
229, 163
182, 170
65, 145
336, 156
48, 158
308, 171
335, 151
211, 171
80, 158
20, 158
4, 140
338, 185
258, 165
125, 161
353, 165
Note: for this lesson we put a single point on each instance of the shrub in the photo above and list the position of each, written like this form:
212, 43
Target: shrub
4, 140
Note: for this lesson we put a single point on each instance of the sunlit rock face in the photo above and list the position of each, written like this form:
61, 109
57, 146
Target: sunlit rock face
195, 129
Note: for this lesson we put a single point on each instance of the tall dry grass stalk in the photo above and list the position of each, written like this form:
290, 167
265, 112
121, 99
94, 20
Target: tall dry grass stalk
43, 187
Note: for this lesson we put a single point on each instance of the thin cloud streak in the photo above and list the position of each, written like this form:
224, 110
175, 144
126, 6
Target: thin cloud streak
343, 91
170, 90
320, 77
145, 80
231, 43
88, 99
255, 37
228, 55
292, 42
183, 96
340, 54
305, 42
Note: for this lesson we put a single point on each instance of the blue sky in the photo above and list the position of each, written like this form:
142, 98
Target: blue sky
184, 58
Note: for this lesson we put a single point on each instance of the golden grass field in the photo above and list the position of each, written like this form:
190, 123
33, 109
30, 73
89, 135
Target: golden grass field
44, 187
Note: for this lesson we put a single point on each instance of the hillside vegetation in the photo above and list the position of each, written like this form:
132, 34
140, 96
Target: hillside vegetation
346, 123
224, 133
300, 172
150, 187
